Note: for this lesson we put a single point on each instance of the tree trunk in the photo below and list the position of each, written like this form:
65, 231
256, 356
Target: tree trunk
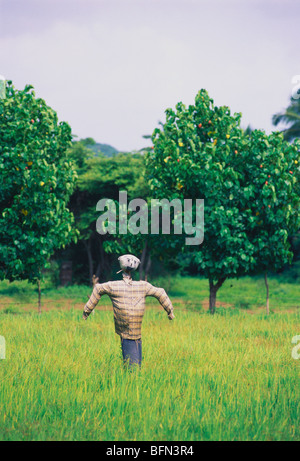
87, 244
141, 268
101, 266
148, 265
98, 270
212, 297
213, 288
267, 288
39, 297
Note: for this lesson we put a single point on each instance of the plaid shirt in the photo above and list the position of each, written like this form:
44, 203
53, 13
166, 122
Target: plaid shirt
128, 299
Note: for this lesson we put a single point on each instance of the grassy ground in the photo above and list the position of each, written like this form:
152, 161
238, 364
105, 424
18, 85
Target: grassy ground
225, 377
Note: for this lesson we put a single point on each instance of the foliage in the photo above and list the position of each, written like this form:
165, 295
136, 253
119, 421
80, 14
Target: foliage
79, 154
291, 118
249, 183
100, 177
36, 181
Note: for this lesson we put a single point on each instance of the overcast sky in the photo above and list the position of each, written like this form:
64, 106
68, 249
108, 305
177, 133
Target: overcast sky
111, 68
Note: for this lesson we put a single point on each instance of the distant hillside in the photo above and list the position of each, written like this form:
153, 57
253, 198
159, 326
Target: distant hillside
97, 147
106, 149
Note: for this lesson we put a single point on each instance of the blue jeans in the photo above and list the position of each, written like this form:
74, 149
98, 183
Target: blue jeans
132, 351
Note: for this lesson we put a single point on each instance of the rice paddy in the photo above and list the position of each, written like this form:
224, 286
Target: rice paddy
230, 376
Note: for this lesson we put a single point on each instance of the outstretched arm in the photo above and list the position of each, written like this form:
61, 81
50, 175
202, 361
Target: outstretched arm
99, 290
162, 297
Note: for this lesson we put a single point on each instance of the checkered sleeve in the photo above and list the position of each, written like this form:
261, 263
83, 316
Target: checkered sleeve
99, 290
162, 297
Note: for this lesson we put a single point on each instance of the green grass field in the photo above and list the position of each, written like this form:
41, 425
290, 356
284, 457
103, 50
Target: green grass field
230, 376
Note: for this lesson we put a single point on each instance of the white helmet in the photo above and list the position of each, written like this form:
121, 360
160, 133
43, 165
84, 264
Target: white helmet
128, 263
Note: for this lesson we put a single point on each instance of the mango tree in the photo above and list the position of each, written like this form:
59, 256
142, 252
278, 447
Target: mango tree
36, 181
248, 183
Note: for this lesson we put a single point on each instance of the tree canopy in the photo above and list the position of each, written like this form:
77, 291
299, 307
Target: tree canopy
249, 183
36, 181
